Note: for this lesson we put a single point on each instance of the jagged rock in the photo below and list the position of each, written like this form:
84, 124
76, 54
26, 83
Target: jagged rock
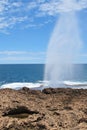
51, 109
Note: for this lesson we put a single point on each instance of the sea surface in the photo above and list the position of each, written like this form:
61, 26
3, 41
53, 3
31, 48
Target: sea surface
31, 75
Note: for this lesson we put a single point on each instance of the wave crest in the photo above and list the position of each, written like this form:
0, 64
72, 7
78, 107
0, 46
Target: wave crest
18, 85
72, 83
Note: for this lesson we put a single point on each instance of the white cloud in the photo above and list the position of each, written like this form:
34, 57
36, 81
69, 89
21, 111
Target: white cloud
37, 25
9, 23
21, 56
12, 52
31, 5
14, 12
26, 53
17, 4
54, 7
24, 58
18, 56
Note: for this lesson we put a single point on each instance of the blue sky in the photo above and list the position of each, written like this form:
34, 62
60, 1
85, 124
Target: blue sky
26, 27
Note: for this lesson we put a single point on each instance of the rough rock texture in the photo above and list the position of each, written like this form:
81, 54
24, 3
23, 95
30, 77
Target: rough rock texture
51, 109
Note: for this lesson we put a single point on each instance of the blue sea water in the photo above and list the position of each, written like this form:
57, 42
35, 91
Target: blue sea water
31, 75
12, 75
21, 72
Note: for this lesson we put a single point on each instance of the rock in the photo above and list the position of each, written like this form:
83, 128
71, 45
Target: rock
49, 91
51, 109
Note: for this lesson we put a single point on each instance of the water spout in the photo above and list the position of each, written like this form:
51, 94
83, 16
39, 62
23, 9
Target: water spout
63, 49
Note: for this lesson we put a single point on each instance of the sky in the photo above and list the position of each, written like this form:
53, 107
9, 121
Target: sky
27, 25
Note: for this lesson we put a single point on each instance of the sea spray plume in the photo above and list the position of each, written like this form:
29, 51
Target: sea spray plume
63, 48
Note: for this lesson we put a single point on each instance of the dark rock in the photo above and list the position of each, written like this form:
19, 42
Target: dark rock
25, 89
49, 91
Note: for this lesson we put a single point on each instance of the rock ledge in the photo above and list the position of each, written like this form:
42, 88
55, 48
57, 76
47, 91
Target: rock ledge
51, 109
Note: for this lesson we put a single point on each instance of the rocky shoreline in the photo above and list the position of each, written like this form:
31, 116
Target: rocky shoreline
51, 109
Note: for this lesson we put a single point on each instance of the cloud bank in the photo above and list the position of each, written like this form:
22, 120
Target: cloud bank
54, 6
13, 12
22, 57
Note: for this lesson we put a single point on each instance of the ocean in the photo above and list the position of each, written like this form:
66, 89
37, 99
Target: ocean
21, 75
31, 75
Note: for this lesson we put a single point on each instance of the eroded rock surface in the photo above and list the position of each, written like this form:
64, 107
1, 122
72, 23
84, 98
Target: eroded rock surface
51, 109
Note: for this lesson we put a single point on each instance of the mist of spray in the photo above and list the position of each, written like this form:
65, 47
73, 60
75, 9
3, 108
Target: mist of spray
63, 49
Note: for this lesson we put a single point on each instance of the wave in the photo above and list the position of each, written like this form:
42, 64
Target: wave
73, 83
19, 85
44, 84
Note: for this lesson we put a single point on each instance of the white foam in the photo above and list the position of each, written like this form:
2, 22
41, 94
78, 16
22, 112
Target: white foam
44, 84
18, 85
72, 83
